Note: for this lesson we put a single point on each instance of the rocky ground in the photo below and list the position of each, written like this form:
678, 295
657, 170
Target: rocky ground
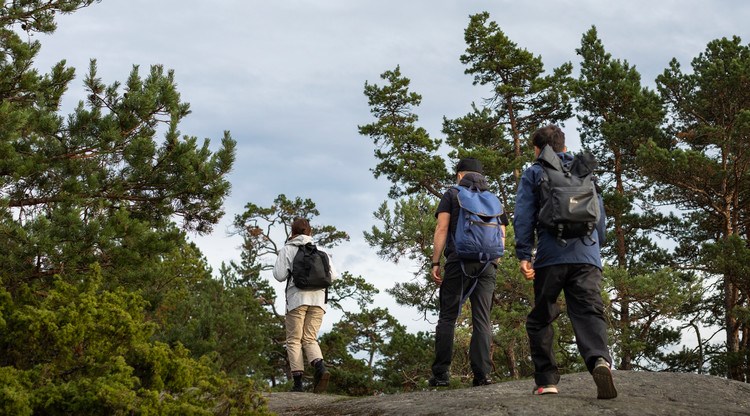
640, 393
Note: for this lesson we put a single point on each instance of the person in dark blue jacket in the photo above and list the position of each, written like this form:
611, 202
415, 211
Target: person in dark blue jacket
574, 268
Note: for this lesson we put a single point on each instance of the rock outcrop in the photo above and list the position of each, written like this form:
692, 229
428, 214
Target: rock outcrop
640, 393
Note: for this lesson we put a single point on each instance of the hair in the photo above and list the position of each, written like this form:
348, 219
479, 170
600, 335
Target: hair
301, 226
549, 135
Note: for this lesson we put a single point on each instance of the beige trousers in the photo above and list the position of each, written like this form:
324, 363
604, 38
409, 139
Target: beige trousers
302, 325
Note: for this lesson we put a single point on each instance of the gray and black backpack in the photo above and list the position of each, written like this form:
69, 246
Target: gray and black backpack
568, 198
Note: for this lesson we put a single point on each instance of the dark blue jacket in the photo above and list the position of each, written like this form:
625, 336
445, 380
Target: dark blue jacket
549, 252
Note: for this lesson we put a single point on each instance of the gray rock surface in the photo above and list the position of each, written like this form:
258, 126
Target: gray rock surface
640, 393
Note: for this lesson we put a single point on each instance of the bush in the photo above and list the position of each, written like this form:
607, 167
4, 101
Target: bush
83, 350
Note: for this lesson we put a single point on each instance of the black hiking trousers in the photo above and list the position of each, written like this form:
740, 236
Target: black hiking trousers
581, 285
455, 282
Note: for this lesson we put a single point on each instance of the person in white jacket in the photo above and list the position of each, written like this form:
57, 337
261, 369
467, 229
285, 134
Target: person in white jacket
304, 312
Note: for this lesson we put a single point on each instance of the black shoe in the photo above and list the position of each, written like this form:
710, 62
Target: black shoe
297, 383
605, 385
320, 377
440, 380
481, 381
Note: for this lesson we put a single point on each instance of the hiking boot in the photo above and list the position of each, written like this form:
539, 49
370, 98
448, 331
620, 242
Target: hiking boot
546, 389
320, 377
297, 386
440, 380
297, 383
605, 385
481, 381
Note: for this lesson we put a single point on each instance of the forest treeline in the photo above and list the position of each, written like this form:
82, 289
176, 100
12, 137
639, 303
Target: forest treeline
106, 307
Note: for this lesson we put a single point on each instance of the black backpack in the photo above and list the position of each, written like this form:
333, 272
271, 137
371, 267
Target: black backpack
310, 268
568, 199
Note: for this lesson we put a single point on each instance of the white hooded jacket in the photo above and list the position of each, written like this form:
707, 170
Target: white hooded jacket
296, 297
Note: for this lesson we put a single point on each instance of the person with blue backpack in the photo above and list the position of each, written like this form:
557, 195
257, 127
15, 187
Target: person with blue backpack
470, 233
560, 213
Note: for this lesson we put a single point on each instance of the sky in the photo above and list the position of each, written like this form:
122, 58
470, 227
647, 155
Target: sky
286, 78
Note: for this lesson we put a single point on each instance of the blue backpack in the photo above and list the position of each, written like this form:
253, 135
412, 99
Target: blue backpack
479, 233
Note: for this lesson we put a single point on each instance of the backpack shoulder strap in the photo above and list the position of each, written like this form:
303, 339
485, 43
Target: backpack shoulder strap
455, 189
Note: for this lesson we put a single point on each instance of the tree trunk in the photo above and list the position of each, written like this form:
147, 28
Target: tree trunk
746, 350
626, 355
731, 298
510, 354
515, 133
734, 366
626, 359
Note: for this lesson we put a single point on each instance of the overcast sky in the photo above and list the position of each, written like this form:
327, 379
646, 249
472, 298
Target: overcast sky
286, 79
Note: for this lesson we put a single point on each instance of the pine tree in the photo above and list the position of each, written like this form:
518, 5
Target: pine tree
705, 172
403, 366
522, 99
617, 115
89, 242
404, 151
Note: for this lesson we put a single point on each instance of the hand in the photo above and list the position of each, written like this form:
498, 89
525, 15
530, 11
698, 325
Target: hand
527, 270
436, 275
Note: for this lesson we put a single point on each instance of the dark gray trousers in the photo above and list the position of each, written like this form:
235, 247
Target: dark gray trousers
454, 283
581, 285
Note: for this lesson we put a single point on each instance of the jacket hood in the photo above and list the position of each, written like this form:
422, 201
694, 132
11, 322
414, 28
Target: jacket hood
476, 180
300, 240
566, 158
